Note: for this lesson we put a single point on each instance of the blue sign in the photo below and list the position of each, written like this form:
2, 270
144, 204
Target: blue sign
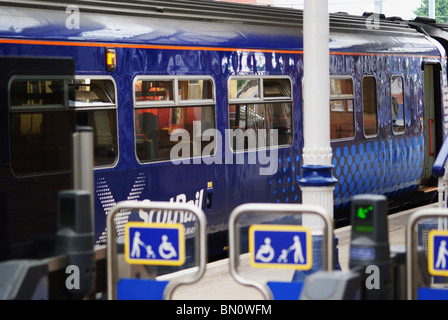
438, 253
280, 246
154, 244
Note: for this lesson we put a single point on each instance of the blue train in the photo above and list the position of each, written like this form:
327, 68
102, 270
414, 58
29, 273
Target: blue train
229, 75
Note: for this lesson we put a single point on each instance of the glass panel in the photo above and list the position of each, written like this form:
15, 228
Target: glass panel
149, 91
195, 90
398, 116
154, 127
341, 87
92, 93
104, 124
342, 123
41, 142
370, 109
244, 89
276, 88
36, 93
251, 118
282, 121
342, 117
99, 96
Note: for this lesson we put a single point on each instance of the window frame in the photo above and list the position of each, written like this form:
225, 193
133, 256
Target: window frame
261, 97
261, 100
175, 103
376, 104
115, 107
344, 97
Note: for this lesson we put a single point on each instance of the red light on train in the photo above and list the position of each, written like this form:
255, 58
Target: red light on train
111, 59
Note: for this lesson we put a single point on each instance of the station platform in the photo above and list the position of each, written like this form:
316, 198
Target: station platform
218, 284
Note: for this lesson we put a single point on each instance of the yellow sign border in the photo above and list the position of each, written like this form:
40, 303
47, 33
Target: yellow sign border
431, 257
280, 228
159, 262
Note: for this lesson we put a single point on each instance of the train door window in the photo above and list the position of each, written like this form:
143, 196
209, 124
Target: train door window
258, 105
370, 106
191, 111
40, 125
397, 104
342, 114
94, 100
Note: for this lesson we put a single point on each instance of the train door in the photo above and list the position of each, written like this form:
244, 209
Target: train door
35, 144
432, 120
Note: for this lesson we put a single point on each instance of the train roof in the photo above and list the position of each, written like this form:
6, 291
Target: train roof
181, 22
433, 29
216, 11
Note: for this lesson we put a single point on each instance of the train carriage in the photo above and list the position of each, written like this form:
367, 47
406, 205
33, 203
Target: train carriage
184, 99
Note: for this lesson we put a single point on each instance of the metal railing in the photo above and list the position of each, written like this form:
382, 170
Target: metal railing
200, 243
412, 245
439, 171
284, 209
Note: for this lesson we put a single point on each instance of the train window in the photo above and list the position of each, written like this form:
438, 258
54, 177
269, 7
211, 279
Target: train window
195, 90
29, 94
192, 110
270, 111
40, 126
244, 88
369, 103
276, 88
397, 105
153, 91
342, 115
94, 102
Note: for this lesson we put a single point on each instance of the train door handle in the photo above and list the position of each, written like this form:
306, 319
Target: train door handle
431, 152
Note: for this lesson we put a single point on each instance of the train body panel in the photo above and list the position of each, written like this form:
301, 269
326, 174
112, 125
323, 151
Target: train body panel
381, 151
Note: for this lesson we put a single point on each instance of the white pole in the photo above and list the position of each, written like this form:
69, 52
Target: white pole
379, 6
317, 183
432, 9
316, 56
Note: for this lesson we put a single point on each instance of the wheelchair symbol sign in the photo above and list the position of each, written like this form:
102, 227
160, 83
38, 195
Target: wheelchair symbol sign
280, 246
438, 252
154, 244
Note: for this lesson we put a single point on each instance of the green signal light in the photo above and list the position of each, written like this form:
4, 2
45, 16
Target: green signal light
362, 213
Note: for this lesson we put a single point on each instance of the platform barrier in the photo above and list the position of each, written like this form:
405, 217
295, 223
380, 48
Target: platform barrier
436, 254
277, 240
150, 245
